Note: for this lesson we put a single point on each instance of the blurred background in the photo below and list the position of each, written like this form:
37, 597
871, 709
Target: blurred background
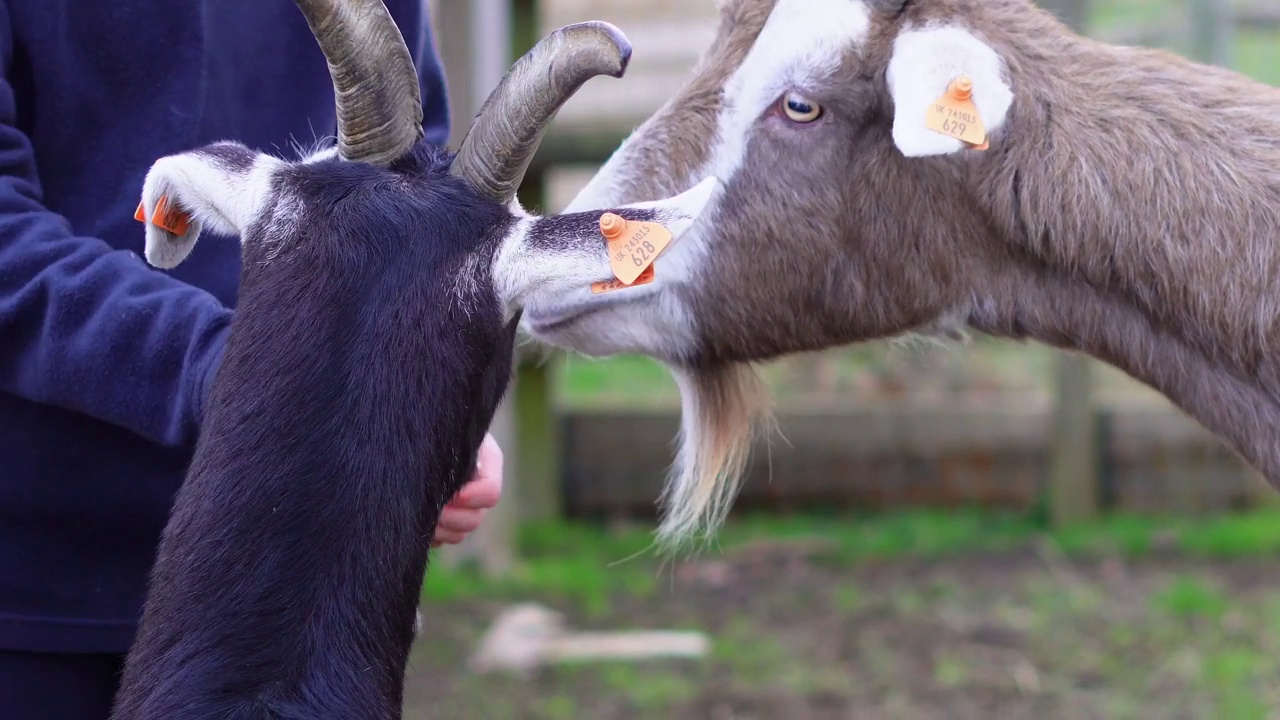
965, 530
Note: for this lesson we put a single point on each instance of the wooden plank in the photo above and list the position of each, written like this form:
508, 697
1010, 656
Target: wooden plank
537, 436
538, 443
1258, 16
875, 458
1212, 30
1073, 13
667, 38
1073, 466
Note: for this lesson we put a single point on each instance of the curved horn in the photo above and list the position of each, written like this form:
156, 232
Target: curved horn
498, 148
375, 83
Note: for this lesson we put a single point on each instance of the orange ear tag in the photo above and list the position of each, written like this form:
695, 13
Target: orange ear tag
633, 246
165, 217
605, 286
955, 115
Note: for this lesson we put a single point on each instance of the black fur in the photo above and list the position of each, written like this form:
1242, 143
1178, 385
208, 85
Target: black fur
231, 155
565, 232
354, 393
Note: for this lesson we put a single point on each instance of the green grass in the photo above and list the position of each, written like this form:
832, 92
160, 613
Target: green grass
1152, 623
628, 380
585, 563
1188, 597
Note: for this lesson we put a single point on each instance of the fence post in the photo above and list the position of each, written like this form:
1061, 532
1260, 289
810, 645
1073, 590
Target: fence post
1213, 27
474, 64
538, 430
1074, 13
1073, 447
538, 441
1073, 450
1212, 31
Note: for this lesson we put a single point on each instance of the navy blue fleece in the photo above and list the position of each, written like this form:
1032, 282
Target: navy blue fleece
104, 361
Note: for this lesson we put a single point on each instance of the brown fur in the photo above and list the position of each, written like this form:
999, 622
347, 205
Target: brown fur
1128, 209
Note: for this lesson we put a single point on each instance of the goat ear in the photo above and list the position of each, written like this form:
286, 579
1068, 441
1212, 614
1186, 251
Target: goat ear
559, 255
923, 64
220, 188
678, 212
580, 231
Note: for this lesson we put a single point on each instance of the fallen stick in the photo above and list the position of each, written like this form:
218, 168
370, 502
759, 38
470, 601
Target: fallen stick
633, 645
528, 635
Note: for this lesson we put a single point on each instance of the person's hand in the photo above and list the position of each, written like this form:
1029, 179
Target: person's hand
464, 513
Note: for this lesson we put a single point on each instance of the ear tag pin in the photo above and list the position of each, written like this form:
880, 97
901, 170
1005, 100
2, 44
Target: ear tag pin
955, 115
633, 246
165, 217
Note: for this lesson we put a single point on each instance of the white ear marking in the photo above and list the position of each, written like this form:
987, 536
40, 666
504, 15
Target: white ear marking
546, 261
165, 250
924, 63
221, 188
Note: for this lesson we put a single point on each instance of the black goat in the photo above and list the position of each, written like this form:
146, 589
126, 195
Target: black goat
379, 300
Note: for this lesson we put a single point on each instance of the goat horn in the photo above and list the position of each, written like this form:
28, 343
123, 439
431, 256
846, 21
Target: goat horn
375, 84
500, 145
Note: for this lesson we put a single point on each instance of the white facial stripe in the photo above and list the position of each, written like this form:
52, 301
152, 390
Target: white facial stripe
924, 63
802, 40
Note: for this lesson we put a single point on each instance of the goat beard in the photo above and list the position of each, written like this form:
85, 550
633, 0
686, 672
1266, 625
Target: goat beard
722, 408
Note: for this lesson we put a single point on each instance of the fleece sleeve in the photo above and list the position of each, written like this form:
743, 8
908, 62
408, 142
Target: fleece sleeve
431, 84
89, 328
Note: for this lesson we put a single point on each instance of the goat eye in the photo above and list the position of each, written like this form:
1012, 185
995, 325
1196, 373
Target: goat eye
800, 109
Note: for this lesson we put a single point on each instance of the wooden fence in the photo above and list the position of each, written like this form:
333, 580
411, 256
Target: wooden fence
1151, 460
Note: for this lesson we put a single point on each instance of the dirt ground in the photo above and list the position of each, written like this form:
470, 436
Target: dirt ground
1024, 634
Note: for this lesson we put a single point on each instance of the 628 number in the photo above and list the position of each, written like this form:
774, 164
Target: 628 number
641, 255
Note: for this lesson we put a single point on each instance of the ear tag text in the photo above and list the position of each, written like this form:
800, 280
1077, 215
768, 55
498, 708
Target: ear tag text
605, 286
955, 115
633, 246
165, 217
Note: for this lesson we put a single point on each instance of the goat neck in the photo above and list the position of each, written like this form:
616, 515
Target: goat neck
1143, 205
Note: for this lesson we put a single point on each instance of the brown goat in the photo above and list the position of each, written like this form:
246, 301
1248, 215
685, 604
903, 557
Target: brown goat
1127, 207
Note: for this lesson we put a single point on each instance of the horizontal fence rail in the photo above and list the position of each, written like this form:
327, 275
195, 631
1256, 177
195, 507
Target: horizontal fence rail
1154, 460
